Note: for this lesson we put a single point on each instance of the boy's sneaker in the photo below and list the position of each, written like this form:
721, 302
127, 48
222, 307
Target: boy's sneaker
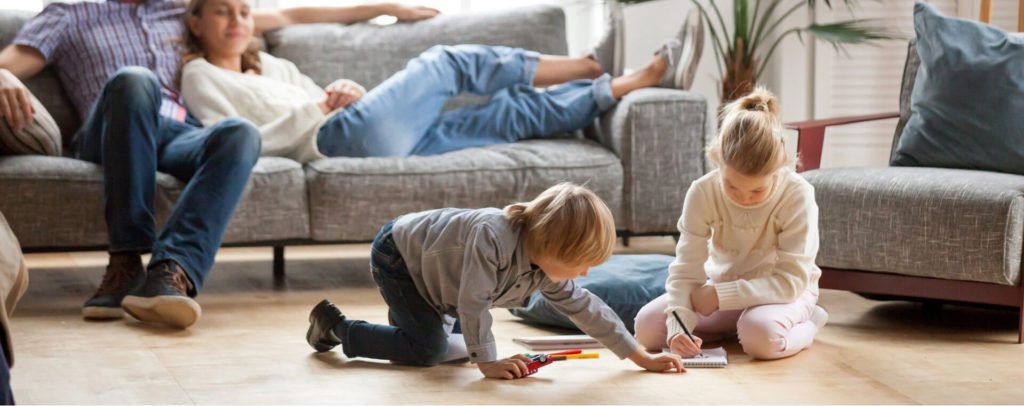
609, 52
163, 298
124, 273
322, 320
819, 317
682, 52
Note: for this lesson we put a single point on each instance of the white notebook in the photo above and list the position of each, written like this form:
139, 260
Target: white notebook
709, 358
545, 343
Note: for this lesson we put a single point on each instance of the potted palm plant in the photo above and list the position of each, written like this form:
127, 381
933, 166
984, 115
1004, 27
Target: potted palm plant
742, 51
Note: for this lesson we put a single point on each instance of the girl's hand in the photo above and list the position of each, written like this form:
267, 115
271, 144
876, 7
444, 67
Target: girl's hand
657, 362
705, 300
342, 93
513, 367
686, 348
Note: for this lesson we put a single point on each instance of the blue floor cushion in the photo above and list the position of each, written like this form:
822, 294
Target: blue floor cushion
625, 282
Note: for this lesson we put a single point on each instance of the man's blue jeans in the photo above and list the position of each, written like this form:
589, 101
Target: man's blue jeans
417, 334
403, 115
126, 134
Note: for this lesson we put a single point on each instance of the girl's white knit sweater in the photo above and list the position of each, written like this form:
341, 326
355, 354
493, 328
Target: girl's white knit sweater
760, 254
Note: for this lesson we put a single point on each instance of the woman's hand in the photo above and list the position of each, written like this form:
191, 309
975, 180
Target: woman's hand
324, 107
15, 101
657, 362
412, 13
705, 300
686, 348
513, 367
342, 93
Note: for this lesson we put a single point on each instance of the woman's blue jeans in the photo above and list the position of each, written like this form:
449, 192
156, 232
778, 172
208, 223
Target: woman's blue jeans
403, 115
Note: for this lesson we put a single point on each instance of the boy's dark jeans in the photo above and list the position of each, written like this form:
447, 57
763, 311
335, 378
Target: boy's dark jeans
417, 335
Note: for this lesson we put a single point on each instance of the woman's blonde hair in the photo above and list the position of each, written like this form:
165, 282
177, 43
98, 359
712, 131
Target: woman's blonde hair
750, 140
567, 223
192, 47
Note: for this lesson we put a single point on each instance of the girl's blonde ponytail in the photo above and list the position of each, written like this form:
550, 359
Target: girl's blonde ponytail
750, 140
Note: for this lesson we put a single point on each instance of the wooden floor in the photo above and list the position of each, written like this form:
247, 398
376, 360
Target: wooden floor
249, 348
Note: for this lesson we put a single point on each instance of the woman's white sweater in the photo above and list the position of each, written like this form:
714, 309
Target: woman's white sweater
281, 101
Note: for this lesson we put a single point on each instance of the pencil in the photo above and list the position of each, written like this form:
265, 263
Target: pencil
573, 356
685, 330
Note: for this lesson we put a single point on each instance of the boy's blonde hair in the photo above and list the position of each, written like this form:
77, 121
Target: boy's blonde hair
750, 140
567, 223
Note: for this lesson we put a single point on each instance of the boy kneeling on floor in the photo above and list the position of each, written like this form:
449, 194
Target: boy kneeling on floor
437, 266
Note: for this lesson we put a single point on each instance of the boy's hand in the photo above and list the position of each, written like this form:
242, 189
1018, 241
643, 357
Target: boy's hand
705, 299
657, 362
513, 367
682, 345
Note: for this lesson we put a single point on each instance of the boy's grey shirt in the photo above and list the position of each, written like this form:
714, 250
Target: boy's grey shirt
466, 261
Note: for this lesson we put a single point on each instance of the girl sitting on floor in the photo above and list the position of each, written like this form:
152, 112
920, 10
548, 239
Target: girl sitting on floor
762, 224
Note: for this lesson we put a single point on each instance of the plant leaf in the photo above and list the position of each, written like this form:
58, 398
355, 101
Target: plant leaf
766, 18
730, 41
849, 32
716, 40
742, 23
837, 34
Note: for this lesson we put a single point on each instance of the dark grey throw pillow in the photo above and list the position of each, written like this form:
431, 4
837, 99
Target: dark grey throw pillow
967, 107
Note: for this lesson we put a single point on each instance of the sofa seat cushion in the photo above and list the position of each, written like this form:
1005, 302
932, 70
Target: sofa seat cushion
351, 198
58, 202
941, 223
275, 205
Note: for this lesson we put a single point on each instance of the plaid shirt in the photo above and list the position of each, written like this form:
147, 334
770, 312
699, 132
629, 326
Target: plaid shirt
88, 41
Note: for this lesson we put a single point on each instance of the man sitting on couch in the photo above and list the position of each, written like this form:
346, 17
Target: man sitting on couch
117, 60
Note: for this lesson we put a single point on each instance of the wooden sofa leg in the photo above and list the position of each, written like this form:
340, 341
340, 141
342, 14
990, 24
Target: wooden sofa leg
1020, 328
278, 266
1020, 315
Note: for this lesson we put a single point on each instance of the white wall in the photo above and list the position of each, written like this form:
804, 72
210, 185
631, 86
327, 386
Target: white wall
649, 24
647, 27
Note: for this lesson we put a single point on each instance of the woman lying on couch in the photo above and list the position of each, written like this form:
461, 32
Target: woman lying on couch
223, 76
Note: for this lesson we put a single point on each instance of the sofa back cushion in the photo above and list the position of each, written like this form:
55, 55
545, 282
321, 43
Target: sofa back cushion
967, 97
369, 53
45, 85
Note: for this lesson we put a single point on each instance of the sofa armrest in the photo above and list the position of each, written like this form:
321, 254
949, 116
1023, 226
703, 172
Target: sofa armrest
659, 134
811, 136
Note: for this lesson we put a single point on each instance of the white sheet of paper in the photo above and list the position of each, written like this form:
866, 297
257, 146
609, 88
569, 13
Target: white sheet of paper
708, 358
567, 342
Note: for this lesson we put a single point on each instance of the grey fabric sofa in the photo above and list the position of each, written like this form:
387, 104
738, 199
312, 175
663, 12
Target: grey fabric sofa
640, 157
932, 233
